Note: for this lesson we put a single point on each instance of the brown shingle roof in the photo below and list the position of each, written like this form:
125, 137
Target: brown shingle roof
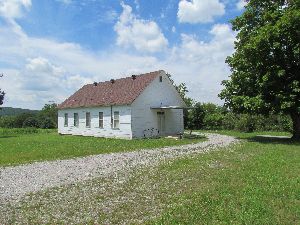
122, 91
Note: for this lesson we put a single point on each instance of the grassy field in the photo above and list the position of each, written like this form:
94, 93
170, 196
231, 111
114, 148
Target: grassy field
254, 182
18, 146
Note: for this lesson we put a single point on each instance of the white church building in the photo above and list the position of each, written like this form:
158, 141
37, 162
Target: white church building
138, 106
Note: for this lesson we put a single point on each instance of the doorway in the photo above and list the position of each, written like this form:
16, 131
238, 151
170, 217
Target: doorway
161, 123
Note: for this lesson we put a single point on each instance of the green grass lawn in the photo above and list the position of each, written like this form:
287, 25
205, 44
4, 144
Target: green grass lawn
18, 148
254, 182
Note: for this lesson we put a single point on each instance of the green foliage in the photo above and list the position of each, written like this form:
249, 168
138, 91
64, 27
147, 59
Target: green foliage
195, 117
209, 116
30, 122
245, 122
265, 66
7, 121
46, 118
10, 111
47, 123
213, 121
20, 119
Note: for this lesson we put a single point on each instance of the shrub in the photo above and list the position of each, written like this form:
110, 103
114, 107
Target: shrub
213, 121
7, 121
245, 123
229, 121
195, 117
47, 123
31, 122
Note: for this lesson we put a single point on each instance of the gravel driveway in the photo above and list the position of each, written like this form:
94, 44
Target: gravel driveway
17, 181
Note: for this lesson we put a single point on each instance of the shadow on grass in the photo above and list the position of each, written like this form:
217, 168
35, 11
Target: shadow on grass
274, 140
193, 136
7, 136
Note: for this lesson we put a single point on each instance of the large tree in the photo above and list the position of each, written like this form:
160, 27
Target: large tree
266, 63
1, 93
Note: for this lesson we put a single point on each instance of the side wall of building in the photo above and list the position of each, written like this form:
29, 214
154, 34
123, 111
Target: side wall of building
144, 119
124, 130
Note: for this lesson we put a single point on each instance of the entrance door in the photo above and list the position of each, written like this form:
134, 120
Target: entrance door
161, 122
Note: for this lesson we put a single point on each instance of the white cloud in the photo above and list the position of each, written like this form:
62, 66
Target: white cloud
202, 64
143, 35
11, 9
213, 51
39, 82
49, 70
199, 11
67, 2
173, 29
46, 70
241, 4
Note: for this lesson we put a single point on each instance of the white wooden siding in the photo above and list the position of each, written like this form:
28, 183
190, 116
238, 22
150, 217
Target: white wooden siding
155, 95
107, 131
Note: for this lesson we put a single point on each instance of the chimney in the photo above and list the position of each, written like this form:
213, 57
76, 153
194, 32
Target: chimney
95, 83
112, 81
133, 77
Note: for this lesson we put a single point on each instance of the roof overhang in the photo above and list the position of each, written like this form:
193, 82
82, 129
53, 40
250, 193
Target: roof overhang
169, 107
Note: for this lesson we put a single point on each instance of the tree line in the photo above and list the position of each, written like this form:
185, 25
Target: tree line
45, 119
209, 116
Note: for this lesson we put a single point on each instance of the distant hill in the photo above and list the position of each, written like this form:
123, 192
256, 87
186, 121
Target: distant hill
9, 111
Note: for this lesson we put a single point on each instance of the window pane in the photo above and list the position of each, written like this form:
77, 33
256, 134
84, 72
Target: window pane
88, 119
101, 119
66, 119
116, 119
116, 124
116, 115
76, 120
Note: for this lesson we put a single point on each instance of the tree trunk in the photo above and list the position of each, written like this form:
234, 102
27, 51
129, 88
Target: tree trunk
296, 125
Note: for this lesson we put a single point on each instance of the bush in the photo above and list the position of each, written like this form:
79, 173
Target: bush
245, 122
229, 121
31, 122
47, 123
213, 121
195, 117
7, 121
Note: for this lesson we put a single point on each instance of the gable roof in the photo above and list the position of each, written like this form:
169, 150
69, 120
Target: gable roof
121, 92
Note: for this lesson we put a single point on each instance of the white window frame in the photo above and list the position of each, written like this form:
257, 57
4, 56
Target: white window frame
66, 120
76, 120
101, 119
116, 120
88, 119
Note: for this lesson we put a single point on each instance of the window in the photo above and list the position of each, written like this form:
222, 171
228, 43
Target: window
116, 120
66, 119
76, 120
100, 119
160, 78
88, 119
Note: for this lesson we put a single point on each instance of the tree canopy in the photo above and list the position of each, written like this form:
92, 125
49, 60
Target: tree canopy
266, 63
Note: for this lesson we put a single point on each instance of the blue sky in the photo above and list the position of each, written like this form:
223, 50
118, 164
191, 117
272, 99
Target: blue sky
50, 48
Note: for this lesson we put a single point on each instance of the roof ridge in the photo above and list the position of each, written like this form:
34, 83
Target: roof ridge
123, 78
122, 91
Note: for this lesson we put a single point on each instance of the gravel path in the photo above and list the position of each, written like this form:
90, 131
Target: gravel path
15, 182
